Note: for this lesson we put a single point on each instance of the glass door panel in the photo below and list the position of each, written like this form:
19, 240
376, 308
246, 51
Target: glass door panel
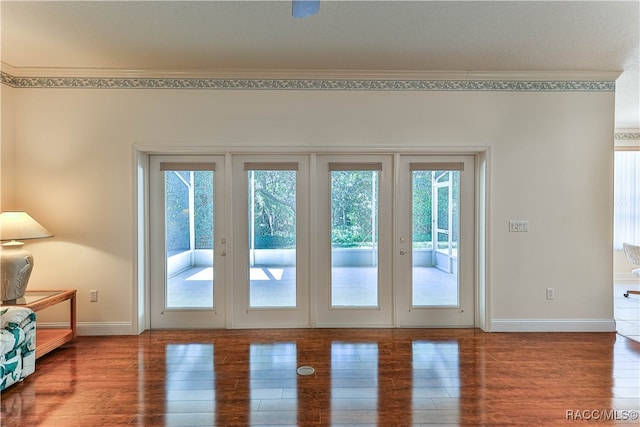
272, 238
354, 238
189, 238
434, 283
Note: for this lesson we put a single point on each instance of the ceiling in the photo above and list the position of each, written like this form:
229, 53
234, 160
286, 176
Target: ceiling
391, 35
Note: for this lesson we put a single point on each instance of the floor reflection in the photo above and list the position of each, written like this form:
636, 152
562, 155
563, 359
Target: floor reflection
354, 383
273, 384
626, 375
436, 382
190, 384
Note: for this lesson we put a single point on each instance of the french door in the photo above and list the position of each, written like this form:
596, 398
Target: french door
326, 240
187, 242
434, 256
271, 241
353, 266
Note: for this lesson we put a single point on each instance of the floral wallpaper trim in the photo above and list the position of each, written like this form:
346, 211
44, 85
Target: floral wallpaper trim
627, 136
306, 84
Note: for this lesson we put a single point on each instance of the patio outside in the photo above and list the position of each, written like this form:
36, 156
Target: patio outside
271, 285
271, 218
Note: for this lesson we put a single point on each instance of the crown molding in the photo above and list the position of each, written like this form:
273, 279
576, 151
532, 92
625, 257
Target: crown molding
412, 80
303, 74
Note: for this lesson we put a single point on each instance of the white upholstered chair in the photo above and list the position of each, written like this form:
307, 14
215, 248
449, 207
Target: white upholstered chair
633, 255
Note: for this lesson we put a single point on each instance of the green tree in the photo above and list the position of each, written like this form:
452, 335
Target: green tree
422, 208
353, 196
274, 208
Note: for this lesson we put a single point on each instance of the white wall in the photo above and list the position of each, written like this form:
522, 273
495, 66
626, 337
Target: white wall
7, 146
551, 163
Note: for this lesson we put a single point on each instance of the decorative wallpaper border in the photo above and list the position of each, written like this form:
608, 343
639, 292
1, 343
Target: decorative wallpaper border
306, 84
627, 136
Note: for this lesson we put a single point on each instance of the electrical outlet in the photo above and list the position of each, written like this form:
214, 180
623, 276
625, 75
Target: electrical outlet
551, 293
93, 295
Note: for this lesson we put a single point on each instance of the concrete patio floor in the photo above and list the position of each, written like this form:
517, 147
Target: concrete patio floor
275, 287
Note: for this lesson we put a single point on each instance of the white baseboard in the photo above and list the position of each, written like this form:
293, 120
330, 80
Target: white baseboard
553, 325
93, 328
497, 325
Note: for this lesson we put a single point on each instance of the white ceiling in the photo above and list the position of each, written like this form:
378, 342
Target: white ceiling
346, 35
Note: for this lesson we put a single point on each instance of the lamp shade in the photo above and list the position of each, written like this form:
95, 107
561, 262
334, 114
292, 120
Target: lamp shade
18, 225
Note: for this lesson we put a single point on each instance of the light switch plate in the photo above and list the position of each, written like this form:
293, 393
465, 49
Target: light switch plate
518, 226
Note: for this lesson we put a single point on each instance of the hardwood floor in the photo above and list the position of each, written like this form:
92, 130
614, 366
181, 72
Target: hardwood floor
386, 377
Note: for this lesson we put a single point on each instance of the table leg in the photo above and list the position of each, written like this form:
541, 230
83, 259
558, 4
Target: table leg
73, 315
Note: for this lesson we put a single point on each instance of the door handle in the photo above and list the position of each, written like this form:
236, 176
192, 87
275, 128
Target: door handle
403, 252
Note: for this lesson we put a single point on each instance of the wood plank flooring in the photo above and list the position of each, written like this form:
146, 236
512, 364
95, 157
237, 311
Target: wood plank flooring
384, 377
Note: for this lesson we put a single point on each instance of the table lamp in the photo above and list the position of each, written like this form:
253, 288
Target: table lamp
17, 262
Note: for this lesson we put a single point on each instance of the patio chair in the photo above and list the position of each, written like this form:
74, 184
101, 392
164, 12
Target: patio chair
633, 255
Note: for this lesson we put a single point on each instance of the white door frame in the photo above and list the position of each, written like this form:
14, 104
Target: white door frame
140, 171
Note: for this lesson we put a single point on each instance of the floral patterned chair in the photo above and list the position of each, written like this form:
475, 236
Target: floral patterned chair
17, 344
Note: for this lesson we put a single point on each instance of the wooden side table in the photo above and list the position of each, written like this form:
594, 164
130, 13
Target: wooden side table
50, 339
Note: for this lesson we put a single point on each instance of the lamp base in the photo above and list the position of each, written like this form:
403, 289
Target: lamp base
16, 264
